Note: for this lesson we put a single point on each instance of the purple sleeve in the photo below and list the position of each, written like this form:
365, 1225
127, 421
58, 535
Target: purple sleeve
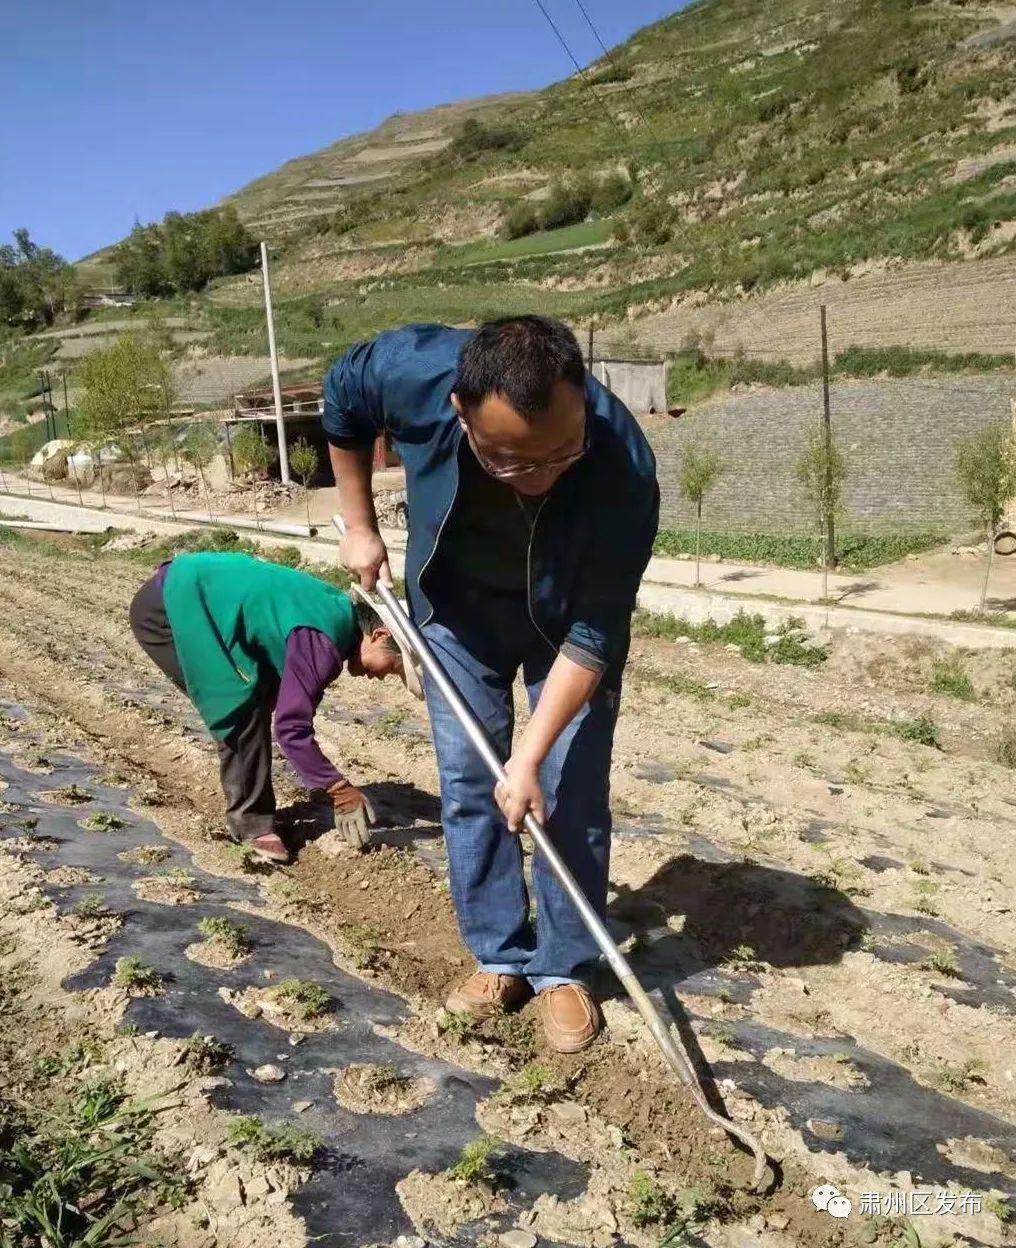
312, 663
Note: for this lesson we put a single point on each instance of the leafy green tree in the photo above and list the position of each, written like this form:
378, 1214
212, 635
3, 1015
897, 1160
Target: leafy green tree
701, 468
138, 262
821, 470
253, 456
303, 459
227, 243
164, 452
121, 390
35, 283
986, 473
200, 446
185, 252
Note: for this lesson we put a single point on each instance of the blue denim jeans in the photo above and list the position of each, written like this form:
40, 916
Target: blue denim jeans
482, 640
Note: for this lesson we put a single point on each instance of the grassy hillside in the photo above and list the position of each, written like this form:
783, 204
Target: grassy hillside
764, 139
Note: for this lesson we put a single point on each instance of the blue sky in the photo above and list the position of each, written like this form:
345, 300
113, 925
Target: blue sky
121, 109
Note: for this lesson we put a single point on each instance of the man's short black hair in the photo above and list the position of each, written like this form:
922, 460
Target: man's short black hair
520, 358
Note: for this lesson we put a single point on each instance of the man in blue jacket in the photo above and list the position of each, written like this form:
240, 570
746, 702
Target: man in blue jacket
533, 505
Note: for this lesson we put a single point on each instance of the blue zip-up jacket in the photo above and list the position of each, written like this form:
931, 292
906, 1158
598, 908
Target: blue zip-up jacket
594, 533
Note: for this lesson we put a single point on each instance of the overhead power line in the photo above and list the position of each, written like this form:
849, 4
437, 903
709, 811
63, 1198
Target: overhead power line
611, 59
578, 68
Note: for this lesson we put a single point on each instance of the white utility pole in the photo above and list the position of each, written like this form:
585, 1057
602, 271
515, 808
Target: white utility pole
279, 422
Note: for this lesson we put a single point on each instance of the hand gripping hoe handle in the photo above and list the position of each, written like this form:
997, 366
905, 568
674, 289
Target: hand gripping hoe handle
668, 1042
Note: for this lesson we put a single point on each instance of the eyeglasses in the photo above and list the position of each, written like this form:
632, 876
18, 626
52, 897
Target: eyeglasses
522, 468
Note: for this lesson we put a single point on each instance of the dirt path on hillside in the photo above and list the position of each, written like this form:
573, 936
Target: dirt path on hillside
831, 903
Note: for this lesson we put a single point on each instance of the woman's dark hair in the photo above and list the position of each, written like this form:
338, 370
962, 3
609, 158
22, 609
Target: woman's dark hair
521, 358
368, 619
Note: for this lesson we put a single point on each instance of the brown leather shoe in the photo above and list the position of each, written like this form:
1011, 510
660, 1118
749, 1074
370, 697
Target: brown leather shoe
571, 1018
270, 848
485, 993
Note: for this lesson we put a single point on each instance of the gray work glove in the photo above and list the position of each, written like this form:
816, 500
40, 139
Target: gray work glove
354, 815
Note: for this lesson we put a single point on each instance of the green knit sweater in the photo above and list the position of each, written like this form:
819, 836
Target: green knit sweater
231, 616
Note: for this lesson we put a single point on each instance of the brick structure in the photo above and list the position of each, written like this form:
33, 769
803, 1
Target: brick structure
898, 436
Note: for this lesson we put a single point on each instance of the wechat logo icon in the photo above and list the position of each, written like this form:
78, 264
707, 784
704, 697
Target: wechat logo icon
831, 1200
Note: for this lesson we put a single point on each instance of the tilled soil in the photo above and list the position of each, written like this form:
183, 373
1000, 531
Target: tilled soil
826, 907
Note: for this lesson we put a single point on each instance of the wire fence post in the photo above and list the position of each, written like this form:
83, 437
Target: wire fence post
229, 453
280, 424
827, 438
97, 456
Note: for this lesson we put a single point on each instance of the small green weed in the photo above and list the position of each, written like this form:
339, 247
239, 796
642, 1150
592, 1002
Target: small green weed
694, 1207
285, 892
233, 937
950, 677
203, 1055
176, 875
532, 1085
842, 875
302, 997
242, 856
390, 724
102, 821
473, 1165
1005, 747
920, 867
742, 958
282, 1143
923, 730
922, 897
856, 772
70, 795
134, 974
648, 1203
684, 685
514, 1033
458, 1026
957, 1078
845, 721
385, 1079
364, 943
1000, 1207
145, 855
91, 906
78, 1055
942, 959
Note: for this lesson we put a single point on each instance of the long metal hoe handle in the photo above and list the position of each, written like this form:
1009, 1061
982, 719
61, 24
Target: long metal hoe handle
669, 1044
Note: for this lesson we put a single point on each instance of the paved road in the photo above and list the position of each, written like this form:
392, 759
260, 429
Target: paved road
889, 601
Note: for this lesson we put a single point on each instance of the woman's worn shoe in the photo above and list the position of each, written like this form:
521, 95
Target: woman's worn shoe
571, 1018
270, 848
